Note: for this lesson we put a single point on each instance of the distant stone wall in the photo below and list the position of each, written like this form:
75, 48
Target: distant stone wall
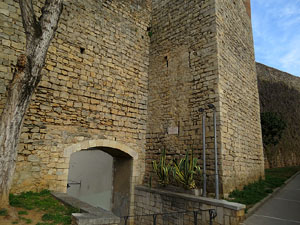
151, 201
94, 86
280, 92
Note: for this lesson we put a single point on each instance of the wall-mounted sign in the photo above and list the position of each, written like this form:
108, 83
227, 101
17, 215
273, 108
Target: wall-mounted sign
172, 130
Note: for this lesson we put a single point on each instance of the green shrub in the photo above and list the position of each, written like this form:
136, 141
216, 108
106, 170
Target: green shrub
3, 212
184, 172
162, 169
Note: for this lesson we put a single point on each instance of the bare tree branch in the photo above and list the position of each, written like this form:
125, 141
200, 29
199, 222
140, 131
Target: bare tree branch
25, 79
50, 11
30, 22
48, 23
43, 32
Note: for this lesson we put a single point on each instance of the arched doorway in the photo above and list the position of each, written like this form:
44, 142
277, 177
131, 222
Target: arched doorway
100, 173
90, 178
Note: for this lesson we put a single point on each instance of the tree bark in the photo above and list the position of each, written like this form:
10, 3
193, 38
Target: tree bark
27, 74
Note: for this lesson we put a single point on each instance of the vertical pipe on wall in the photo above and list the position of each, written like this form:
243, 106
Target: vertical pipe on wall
204, 153
216, 155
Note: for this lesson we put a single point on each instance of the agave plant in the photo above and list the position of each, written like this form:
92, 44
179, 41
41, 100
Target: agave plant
162, 169
184, 172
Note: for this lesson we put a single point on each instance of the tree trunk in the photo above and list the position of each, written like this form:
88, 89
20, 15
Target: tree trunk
27, 74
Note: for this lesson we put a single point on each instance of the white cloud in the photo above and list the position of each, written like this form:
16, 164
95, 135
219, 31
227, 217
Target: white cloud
290, 61
289, 10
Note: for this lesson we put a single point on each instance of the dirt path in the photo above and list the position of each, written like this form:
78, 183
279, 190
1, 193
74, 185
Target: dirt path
32, 218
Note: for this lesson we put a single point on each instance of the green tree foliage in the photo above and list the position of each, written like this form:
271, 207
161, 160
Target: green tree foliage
272, 126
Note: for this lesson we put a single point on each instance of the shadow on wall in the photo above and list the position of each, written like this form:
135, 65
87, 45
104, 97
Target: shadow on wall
280, 98
101, 177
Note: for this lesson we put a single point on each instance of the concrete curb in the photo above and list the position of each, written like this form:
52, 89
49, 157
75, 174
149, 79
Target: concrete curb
253, 209
88, 214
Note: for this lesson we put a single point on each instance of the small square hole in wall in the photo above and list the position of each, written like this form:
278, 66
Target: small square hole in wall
82, 50
167, 61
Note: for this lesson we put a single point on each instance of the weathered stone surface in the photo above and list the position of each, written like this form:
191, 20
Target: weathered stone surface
112, 73
150, 201
200, 54
240, 131
280, 93
33, 158
94, 84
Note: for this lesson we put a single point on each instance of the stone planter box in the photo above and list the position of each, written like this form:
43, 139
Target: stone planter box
196, 191
154, 200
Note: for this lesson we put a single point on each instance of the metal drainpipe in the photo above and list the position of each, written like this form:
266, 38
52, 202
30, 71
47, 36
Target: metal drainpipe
204, 153
216, 155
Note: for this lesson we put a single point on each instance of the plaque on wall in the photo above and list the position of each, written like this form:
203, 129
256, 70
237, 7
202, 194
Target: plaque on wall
172, 130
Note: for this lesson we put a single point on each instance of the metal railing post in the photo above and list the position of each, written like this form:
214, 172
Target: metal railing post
154, 219
126, 218
212, 215
195, 217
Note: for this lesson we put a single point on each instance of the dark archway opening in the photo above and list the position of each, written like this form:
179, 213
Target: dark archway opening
101, 176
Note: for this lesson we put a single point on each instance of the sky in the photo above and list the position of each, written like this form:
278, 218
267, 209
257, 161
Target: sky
276, 33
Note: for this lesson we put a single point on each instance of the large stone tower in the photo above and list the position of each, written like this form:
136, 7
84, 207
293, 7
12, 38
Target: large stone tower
201, 52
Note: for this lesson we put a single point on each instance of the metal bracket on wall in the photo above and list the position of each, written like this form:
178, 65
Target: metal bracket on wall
73, 183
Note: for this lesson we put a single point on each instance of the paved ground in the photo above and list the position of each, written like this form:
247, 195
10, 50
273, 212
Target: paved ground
282, 209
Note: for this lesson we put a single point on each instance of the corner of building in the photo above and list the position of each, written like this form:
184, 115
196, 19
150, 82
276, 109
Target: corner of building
241, 139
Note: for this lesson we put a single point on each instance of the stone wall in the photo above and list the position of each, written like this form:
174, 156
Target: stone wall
248, 7
279, 92
182, 78
151, 201
202, 52
240, 130
105, 79
94, 86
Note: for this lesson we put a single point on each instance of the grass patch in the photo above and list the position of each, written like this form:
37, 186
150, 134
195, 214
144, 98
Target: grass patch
255, 192
3, 212
55, 211
22, 213
27, 221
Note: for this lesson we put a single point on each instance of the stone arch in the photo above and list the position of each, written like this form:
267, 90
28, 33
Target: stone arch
124, 158
100, 143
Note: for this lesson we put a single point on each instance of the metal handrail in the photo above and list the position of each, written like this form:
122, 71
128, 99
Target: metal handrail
212, 215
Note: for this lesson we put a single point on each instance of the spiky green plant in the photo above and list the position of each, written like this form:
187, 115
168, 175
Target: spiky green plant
162, 169
184, 172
